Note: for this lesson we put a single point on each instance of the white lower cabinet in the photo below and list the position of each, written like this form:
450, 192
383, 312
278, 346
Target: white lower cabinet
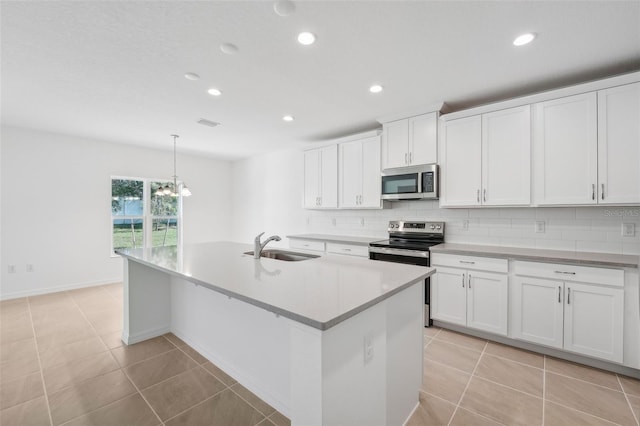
575, 308
474, 296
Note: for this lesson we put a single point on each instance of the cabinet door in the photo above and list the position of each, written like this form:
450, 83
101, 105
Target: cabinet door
460, 162
506, 157
487, 302
619, 145
371, 181
350, 174
538, 310
449, 296
329, 177
565, 150
423, 139
593, 321
395, 144
311, 178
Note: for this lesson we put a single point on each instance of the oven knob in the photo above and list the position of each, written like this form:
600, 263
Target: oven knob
432, 227
438, 227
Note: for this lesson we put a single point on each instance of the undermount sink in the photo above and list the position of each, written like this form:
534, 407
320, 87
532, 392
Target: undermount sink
289, 256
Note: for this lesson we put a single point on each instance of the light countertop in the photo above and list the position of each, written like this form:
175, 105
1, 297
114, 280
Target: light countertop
320, 292
541, 255
345, 239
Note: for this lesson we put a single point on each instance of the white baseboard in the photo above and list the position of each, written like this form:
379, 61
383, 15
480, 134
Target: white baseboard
130, 339
47, 290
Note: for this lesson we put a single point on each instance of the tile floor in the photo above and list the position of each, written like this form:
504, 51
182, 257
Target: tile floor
62, 362
470, 381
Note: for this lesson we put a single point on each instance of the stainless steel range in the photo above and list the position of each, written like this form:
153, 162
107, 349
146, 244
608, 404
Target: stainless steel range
409, 243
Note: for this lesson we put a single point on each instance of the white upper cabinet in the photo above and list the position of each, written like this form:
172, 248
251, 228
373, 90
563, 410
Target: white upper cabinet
410, 141
321, 178
359, 174
619, 145
565, 150
485, 159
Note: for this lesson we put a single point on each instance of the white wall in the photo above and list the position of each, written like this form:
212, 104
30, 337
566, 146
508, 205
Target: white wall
268, 196
55, 200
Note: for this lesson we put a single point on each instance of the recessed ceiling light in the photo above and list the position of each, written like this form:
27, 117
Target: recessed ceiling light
287, 118
229, 48
306, 38
206, 122
214, 92
523, 39
284, 7
376, 88
192, 76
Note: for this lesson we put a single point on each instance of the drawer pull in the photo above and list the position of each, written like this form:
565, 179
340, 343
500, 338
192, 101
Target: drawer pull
347, 249
559, 295
564, 272
569, 296
469, 280
467, 262
462, 280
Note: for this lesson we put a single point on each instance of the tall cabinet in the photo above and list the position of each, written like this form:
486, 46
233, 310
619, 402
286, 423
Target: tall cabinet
321, 178
359, 173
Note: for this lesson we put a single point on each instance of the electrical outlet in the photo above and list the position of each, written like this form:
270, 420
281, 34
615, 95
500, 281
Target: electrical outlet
333, 221
368, 348
11, 269
465, 224
628, 229
29, 267
539, 229
362, 221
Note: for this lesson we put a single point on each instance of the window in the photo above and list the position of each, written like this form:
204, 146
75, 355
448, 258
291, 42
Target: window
140, 217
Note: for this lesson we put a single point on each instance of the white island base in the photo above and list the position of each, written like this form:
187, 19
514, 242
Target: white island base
366, 370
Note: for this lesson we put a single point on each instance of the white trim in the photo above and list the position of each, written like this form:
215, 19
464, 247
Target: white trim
130, 339
38, 292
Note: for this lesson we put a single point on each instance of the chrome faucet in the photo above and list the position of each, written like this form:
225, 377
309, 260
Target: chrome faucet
258, 246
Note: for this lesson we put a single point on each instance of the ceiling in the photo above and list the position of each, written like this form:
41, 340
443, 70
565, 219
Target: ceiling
114, 70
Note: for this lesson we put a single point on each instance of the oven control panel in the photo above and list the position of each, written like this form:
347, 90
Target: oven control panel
419, 227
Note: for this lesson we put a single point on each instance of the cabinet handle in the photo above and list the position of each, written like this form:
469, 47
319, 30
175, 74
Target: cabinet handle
478, 195
462, 280
320, 198
361, 199
347, 249
593, 191
469, 281
484, 195
602, 191
405, 158
568, 295
410, 157
559, 295
468, 262
564, 272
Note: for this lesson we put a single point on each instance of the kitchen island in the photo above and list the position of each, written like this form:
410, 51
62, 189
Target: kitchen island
330, 340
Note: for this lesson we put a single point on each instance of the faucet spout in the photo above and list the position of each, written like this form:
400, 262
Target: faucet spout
258, 246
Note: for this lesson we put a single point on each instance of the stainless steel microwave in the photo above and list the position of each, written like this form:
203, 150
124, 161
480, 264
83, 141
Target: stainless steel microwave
410, 183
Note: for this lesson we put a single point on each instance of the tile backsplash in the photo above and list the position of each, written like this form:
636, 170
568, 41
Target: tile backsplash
593, 229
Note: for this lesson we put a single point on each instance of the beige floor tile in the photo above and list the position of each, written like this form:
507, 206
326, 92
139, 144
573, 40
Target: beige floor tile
501, 404
253, 400
73, 372
57, 316
21, 389
11, 331
279, 419
19, 367
64, 336
431, 411
515, 354
131, 354
558, 415
20, 303
17, 350
52, 355
266, 422
114, 289
52, 327
582, 372
195, 355
431, 331
444, 382
105, 321
426, 341
51, 301
175, 395
174, 339
224, 409
113, 340
97, 302
131, 410
510, 373
635, 405
159, 368
89, 395
470, 342
630, 385
220, 375
452, 355
31, 413
592, 399
464, 417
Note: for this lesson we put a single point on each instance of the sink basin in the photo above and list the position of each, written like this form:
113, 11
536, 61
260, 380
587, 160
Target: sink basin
288, 256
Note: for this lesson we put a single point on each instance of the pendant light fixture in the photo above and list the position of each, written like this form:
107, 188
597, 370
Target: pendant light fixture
167, 190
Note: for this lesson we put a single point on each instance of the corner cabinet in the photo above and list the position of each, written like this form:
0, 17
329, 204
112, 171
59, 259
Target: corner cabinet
410, 142
359, 174
486, 159
470, 291
575, 308
321, 178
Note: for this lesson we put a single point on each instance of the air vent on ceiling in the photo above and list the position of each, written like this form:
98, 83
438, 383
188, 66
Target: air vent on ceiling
209, 123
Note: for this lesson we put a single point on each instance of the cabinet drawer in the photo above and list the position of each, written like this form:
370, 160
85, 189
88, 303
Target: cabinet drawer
562, 272
488, 264
306, 244
350, 249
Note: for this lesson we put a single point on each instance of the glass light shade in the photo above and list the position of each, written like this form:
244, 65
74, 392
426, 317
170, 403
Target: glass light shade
159, 191
185, 192
166, 190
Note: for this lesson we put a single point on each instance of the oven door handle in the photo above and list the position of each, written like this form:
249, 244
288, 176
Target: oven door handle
399, 252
